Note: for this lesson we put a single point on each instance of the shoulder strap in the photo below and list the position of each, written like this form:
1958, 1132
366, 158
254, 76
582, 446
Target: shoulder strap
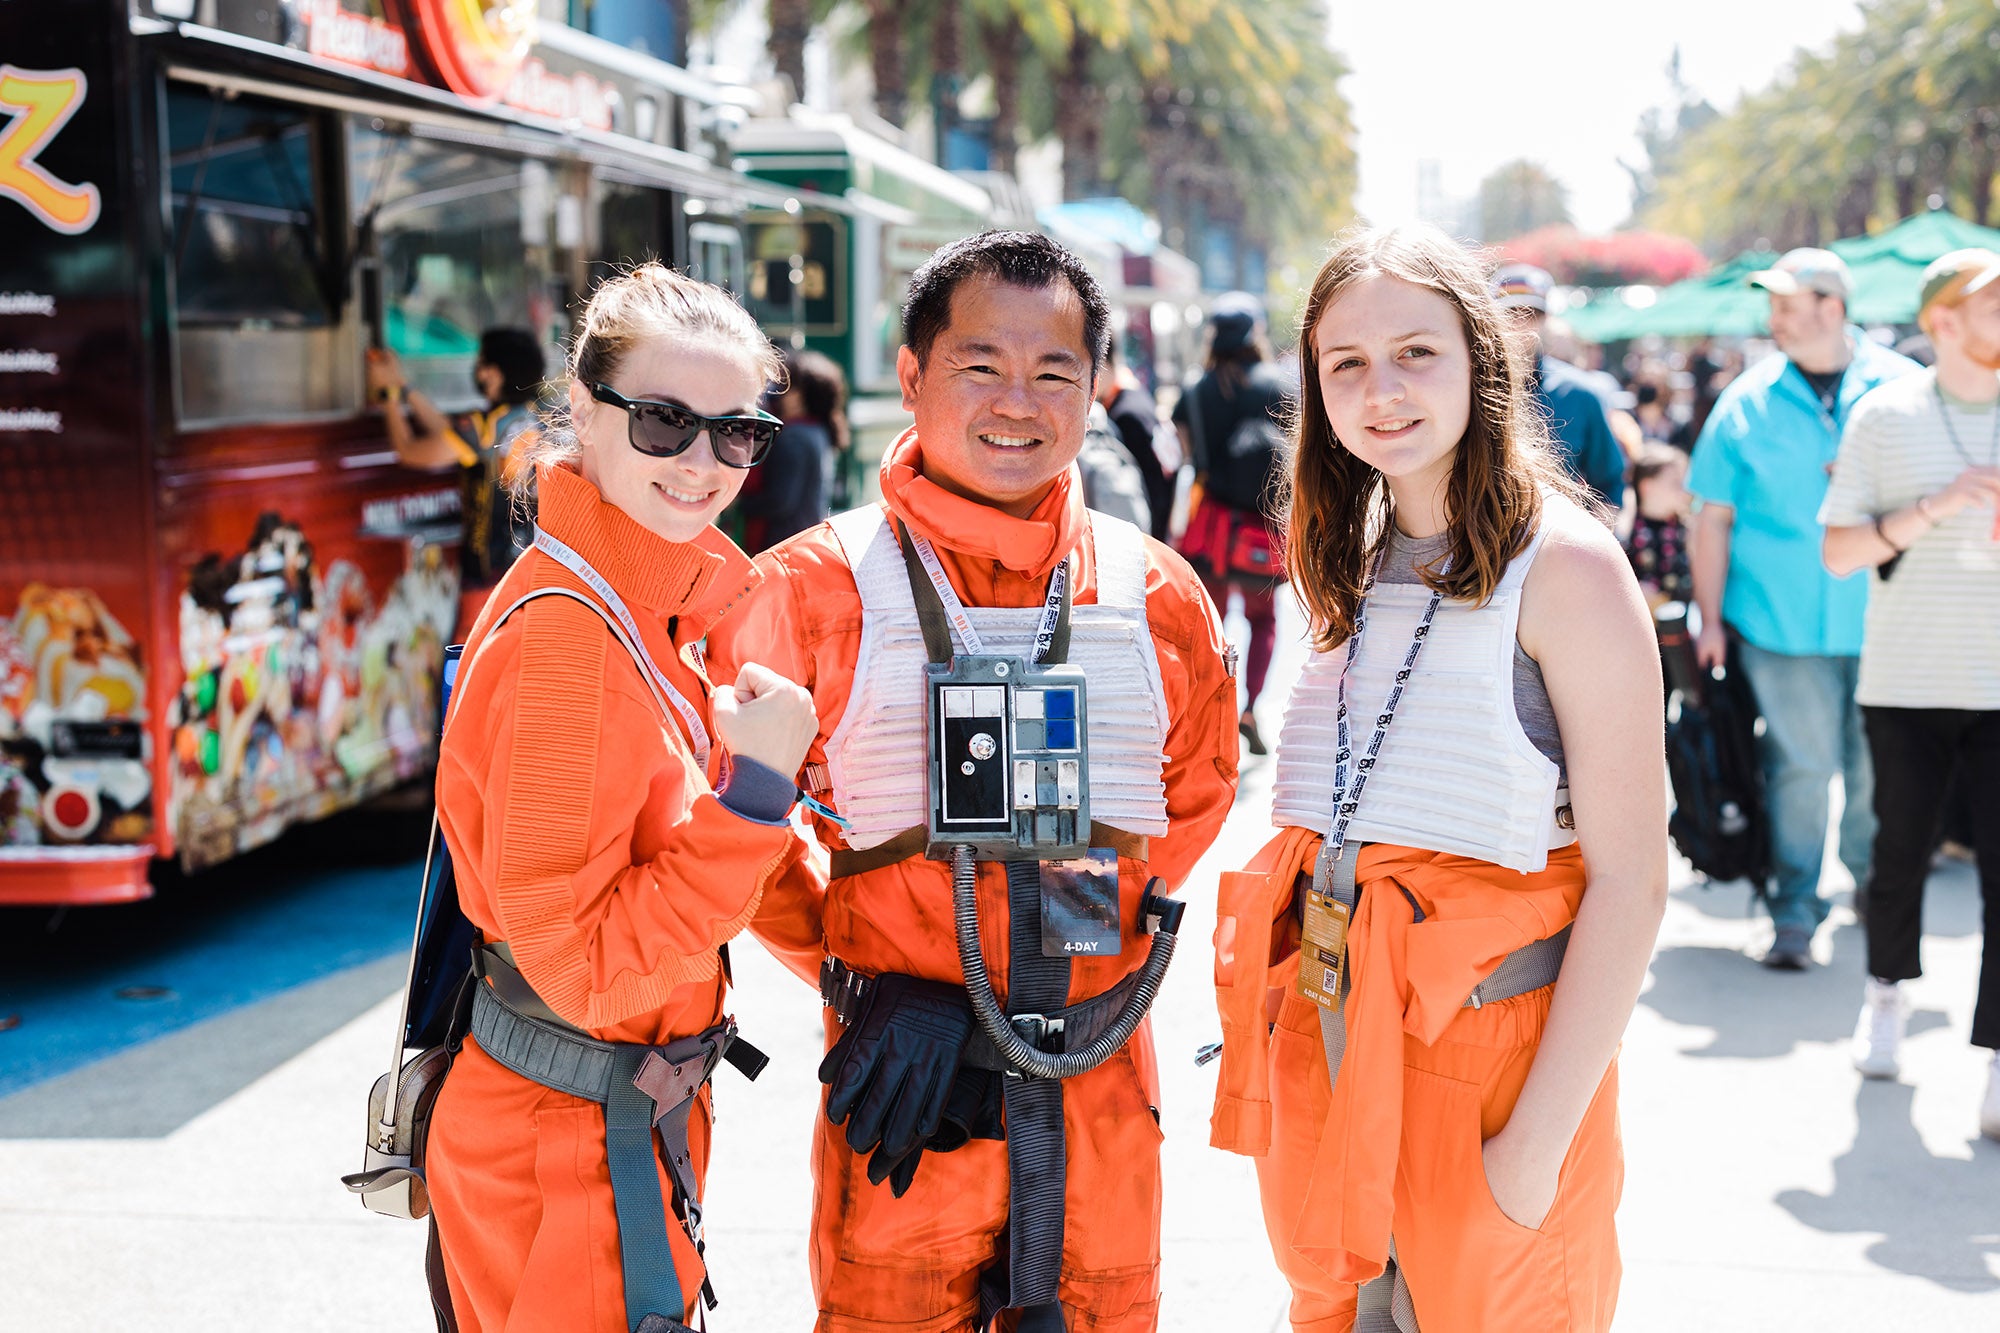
431, 847
617, 632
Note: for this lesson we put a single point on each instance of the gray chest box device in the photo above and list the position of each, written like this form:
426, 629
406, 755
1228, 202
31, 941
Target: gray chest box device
1009, 764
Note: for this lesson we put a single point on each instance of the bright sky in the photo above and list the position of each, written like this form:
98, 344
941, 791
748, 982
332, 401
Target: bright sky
1475, 83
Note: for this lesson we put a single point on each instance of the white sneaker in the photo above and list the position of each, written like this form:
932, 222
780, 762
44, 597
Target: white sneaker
1989, 1110
1878, 1036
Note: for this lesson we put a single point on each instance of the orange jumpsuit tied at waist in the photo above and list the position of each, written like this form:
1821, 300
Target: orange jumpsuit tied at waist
912, 1264
1394, 1147
586, 837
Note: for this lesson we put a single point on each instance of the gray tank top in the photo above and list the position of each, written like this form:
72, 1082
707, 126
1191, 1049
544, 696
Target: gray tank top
1531, 696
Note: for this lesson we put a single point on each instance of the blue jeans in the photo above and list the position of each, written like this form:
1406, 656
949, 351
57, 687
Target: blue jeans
1812, 731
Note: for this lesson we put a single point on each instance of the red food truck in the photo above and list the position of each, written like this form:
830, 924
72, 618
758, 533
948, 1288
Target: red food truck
223, 604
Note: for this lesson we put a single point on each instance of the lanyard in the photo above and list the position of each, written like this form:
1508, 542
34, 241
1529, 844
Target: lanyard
577, 565
1347, 798
1951, 432
955, 612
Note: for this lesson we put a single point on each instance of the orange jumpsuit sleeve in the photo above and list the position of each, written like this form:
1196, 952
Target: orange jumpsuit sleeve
577, 755
766, 628
1201, 703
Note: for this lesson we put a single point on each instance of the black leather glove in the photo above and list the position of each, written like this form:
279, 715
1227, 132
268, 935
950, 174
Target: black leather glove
891, 1073
971, 1111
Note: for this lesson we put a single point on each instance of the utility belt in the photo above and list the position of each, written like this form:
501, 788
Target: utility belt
911, 842
1072, 1027
644, 1090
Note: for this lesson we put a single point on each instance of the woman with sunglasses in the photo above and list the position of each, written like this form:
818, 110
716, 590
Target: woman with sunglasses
603, 870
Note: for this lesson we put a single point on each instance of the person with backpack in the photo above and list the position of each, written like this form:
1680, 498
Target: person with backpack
1424, 978
613, 820
1231, 422
1154, 445
1113, 481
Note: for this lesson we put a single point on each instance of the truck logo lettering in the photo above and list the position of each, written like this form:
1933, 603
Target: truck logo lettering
42, 102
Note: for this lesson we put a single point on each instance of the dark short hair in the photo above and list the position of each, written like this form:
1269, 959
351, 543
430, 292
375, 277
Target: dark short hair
1017, 258
821, 386
517, 354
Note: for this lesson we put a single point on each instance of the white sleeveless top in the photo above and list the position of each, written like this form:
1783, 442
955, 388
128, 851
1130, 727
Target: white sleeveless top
1457, 772
875, 757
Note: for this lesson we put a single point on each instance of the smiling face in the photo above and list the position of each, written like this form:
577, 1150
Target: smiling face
1002, 401
1395, 375
673, 497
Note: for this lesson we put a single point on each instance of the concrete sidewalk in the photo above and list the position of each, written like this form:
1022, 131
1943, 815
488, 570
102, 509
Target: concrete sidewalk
1768, 1186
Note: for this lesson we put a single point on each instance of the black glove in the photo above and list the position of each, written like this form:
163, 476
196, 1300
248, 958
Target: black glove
971, 1111
891, 1073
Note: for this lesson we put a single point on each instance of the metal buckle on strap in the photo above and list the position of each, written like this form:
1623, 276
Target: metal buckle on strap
842, 989
1037, 1029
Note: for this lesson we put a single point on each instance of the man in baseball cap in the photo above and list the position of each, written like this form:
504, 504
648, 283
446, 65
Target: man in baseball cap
1767, 603
1579, 419
1954, 278
1807, 270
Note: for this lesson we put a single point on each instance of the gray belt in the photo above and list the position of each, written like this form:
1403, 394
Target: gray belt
1384, 1303
845, 991
644, 1090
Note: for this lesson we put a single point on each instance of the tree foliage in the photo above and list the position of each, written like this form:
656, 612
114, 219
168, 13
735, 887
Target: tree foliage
1519, 196
1903, 110
1204, 111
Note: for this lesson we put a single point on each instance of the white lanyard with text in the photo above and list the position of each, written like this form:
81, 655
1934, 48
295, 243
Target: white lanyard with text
1350, 777
577, 565
954, 609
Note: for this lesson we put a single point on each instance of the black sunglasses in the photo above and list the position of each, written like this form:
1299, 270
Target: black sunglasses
661, 430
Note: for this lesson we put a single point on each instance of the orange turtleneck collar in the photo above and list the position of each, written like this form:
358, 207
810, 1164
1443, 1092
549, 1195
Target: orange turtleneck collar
1031, 546
696, 581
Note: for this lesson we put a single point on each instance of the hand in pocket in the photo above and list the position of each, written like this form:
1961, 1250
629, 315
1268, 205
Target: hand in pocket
1523, 1187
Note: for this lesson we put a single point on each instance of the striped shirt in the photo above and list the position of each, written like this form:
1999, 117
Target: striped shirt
1933, 630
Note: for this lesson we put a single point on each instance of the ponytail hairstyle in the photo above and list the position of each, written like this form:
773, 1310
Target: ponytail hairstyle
650, 301
1335, 509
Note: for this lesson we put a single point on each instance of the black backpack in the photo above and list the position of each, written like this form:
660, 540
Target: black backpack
1719, 823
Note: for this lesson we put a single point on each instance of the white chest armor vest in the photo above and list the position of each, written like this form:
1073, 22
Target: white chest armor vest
1456, 773
876, 756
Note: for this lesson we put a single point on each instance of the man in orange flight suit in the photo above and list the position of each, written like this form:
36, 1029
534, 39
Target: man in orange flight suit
1006, 333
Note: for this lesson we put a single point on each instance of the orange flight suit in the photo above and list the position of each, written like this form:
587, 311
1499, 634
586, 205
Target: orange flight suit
912, 1264
1424, 1082
586, 837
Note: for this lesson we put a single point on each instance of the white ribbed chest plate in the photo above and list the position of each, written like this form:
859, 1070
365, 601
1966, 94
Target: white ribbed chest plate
875, 757
1456, 773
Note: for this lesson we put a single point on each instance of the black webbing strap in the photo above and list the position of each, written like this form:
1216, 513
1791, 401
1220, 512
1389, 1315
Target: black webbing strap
1037, 1157
930, 610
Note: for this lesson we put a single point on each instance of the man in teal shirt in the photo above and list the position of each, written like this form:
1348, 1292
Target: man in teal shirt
1760, 472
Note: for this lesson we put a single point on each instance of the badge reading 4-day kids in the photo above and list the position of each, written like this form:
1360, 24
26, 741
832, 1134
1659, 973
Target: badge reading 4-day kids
1323, 949
1080, 906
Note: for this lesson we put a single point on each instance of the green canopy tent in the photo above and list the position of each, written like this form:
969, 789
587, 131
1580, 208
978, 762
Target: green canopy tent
1888, 270
1720, 301
1888, 267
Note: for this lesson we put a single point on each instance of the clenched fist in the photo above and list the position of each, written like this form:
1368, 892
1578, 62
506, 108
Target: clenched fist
765, 717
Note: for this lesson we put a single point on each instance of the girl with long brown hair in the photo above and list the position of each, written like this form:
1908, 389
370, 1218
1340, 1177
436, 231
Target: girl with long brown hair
1424, 978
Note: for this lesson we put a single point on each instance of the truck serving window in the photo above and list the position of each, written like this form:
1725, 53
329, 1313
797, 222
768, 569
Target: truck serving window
259, 280
469, 239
